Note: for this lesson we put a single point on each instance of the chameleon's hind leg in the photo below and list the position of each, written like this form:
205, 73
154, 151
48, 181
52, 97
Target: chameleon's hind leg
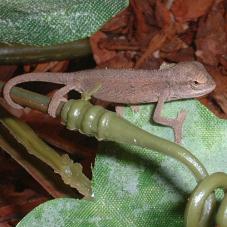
176, 124
58, 97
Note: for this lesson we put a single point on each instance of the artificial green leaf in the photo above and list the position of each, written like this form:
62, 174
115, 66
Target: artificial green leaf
140, 187
54, 21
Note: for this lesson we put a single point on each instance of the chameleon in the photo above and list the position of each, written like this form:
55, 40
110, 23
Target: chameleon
128, 86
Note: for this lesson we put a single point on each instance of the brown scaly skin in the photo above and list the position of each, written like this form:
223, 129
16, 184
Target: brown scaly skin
127, 86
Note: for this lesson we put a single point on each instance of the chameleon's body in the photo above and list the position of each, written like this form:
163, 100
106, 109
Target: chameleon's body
127, 86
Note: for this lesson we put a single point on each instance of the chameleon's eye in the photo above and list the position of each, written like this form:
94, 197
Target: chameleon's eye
200, 80
195, 83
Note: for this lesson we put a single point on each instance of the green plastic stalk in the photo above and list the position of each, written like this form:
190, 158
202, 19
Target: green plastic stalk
95, 121
24, 54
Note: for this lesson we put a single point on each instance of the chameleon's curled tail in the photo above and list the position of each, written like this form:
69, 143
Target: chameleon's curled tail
6, 94
57, 78
106, 125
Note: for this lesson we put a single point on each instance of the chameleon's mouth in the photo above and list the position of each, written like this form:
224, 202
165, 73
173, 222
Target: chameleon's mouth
207, 88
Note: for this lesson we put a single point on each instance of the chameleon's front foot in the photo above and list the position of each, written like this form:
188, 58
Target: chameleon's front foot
175, 124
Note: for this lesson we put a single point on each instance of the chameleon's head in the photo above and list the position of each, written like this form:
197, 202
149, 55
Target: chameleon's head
193, 80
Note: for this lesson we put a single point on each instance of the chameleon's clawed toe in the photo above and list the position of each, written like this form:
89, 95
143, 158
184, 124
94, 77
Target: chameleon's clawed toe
178, 126
53, 105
